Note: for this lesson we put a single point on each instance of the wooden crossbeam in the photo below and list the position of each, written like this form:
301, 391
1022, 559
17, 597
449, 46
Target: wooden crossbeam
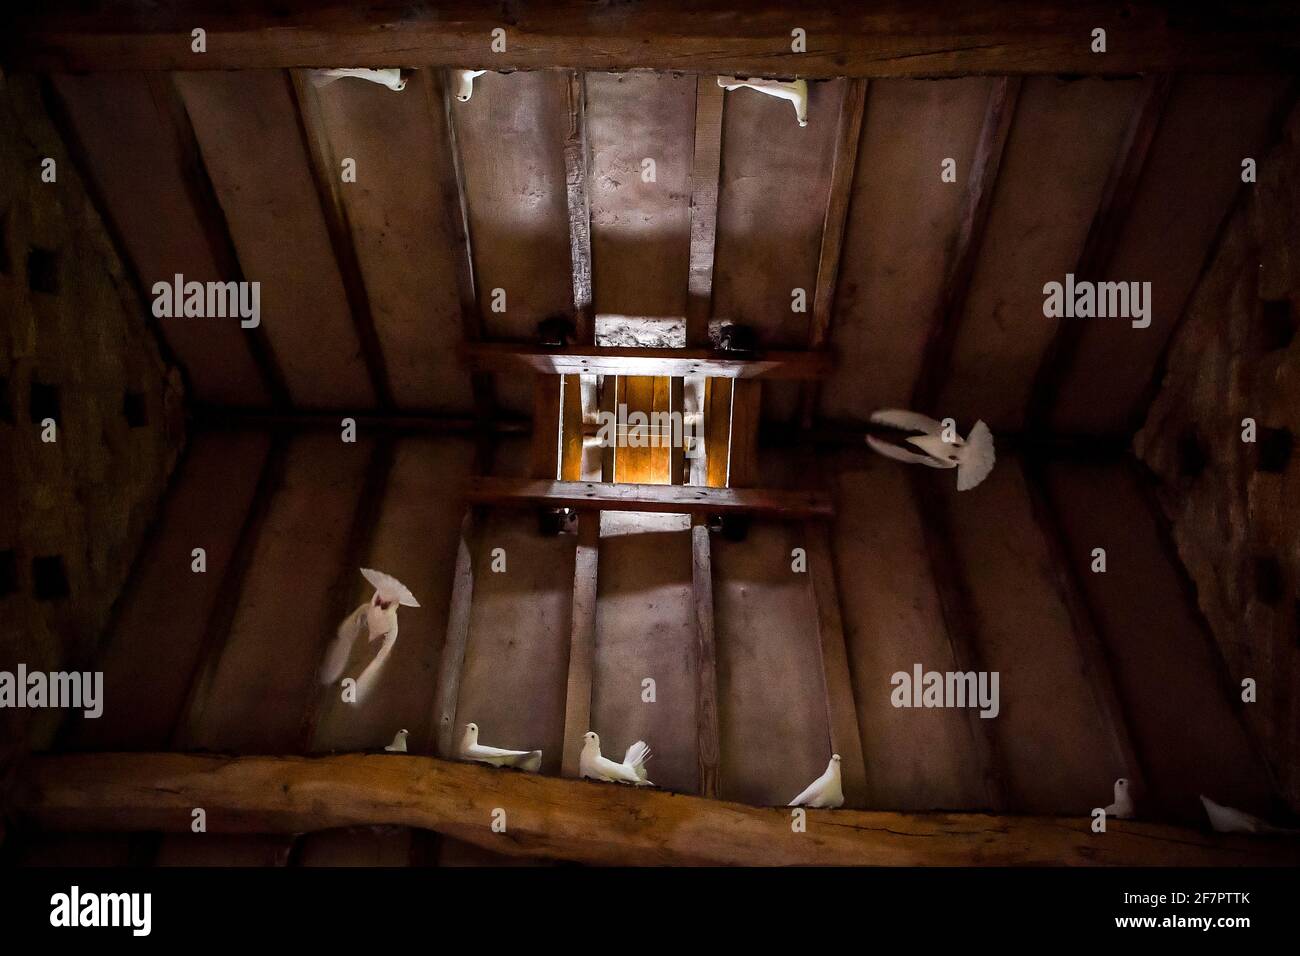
663, 499
649, 362
920, 38
706, 658
706, 168
576, 820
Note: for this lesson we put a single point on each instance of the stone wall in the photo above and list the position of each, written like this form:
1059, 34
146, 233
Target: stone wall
1235, 504
75, 348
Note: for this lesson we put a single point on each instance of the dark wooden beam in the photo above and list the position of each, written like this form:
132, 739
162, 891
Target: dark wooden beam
584, 821
961, 623
742, 455
329, 191
844, 163
706, 168
447, 691
921, 38
981, 184
649, 362
1098, 668
717, 431
1103, 236
544, 457
576, 152
215, 637
706, 658
664, 499
582, 641
403, 422
677, 452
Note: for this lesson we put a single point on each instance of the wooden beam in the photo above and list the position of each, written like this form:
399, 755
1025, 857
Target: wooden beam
921, 38
706, 168
746, 410
663, 499
677, 450
980, 186
706, 658
609, 400
1103, 236
841, 707
576, 153
582, 641
844, 164
584, 821
400, 422
447, 693
545, 455
571, 430
329, 191
961, 624
649, 362
269, 483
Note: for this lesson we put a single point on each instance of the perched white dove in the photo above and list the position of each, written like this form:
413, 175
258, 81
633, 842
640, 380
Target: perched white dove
795, 91
391, 78
465, 83
1231, 820
378, 618
529, 761
825, 791
919, 440
398, 746
1122, 808
631, 770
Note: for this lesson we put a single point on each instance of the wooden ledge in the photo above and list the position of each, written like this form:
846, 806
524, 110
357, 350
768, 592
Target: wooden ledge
608, 360
665, 499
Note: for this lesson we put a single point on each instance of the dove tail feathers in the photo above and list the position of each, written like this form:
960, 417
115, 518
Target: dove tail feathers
532, 763
978, 457
340, 649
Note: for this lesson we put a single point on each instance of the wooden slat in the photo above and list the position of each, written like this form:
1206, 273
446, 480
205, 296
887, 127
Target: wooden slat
326, 175
928, 38
571, 428
1097, 666
706, 658
717, 431
609, 360
848, 134
980, 186
576, 161
546, 427
582, 641
706, 166
841, 710
574, 820
746, 409
609, 399
961, 623
677, 451
447, 693
1103, 236
664, 499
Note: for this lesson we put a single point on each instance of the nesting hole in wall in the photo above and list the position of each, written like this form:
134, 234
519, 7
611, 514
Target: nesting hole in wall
1277, 322
43, 270
1192, 456
1269, 587
49, 578
133, 407
8, 573
1274, 449
44, 402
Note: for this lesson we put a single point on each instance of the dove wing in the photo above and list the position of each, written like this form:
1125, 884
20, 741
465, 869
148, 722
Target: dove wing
389, 588
898, 453
480, 750
904, 419
370, 676
340, 649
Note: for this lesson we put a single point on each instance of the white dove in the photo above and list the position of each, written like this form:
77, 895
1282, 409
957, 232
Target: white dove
465, 83
1122, 808
398, 746
529, 761
391, 78
973, 456
1231, 820
631, 770
825, 791
378, 617
796, 92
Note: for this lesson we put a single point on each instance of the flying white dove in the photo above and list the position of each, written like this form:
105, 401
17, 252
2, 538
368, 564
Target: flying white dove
973, 456
1122, 808
825, 791
796, 92
378, 618
398, 746
391, 78
1231, 820
465, 83
631, 770
529, 761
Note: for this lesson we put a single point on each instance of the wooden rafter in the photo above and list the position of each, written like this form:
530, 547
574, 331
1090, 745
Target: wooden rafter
446, 694
706, 658
570, 819
648, 362
576, 163
329, 191
978, 201
663, 499
706, 166
925, 38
